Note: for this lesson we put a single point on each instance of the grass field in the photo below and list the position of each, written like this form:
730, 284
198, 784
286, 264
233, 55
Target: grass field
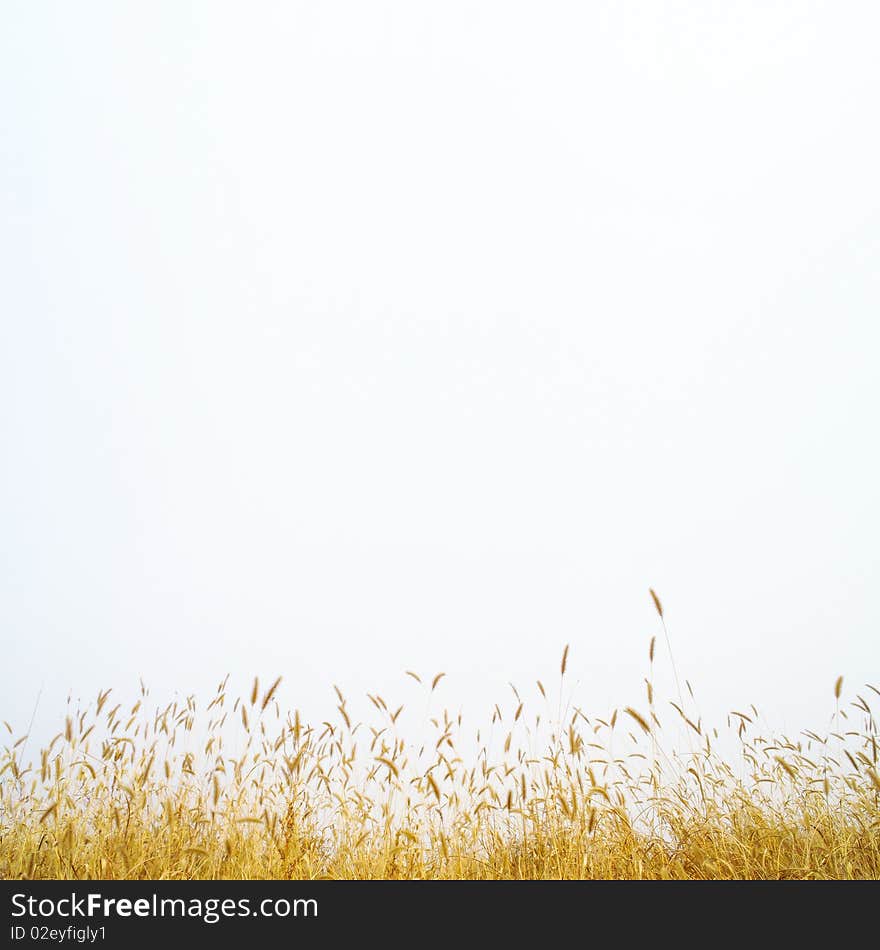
238, 789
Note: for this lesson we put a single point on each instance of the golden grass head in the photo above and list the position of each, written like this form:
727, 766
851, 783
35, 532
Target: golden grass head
656, 600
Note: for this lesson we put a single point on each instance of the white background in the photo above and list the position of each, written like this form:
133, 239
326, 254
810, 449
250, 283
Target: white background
344, 338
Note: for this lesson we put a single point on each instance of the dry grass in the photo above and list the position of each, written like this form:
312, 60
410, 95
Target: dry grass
122, 792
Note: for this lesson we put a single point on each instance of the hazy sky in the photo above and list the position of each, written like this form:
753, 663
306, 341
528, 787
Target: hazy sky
344, 338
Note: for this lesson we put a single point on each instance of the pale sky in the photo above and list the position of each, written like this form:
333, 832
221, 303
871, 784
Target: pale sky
344, 338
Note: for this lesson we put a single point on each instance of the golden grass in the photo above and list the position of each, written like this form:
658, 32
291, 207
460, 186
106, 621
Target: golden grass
239, 790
